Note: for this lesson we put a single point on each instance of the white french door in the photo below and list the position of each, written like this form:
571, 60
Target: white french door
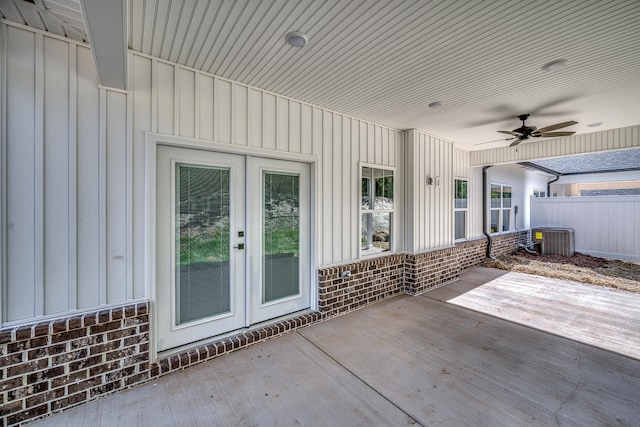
232, 242
280, 243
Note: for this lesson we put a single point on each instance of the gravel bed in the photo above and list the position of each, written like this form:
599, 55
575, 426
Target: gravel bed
580, 268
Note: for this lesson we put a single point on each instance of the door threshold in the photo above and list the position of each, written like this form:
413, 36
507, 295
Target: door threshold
286, 323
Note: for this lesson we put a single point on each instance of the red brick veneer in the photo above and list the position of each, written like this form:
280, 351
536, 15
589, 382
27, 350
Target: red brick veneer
428, 270
368, 281
48, 366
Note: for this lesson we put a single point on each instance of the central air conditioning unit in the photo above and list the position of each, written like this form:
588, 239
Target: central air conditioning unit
555, 241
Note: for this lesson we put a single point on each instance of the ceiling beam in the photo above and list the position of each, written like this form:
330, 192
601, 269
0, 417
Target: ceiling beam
106, 24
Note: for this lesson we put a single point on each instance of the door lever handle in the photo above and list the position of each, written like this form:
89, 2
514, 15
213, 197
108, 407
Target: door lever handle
239, 246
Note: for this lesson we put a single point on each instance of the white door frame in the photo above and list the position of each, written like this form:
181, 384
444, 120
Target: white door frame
151, 143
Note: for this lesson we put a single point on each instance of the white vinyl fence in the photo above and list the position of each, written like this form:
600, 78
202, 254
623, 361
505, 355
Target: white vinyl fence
605, 226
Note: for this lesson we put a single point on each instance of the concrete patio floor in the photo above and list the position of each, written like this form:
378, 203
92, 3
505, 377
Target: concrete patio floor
491, 349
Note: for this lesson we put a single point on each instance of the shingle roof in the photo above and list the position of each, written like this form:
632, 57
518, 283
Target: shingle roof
595, 162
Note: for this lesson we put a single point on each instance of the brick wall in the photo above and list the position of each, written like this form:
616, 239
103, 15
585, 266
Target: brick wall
428, 270
368, 281
49, 366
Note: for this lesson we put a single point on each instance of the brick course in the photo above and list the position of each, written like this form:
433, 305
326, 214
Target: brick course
50, 366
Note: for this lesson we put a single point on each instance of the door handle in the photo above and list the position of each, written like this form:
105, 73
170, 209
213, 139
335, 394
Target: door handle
239, 246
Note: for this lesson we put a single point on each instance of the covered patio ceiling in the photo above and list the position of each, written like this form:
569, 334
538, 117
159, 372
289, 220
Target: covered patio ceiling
386, 61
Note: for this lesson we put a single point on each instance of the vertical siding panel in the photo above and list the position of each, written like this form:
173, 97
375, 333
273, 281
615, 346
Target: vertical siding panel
419, 189
316, 147
347, 185
295, 120
225, 107
356, 201
377, 134
20, 174
142, 122
317, 124
385, 147
187, 102
56, 176
72, 220
116, 202
393, 147
327, 193
364, 142
269, 121
206, 98
102, 220
282, 124
241, 124
433, 232
38, 171
165, 89
306, 130
255, 118
337, 188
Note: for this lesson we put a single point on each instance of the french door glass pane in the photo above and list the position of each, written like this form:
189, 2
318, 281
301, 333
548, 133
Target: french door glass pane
202, 242
280, 236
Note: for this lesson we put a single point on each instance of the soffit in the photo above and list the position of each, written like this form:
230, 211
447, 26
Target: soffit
386, 61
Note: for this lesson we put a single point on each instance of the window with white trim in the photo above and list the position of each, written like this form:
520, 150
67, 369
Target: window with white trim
539, 193
460, 209
377, 210
500, 208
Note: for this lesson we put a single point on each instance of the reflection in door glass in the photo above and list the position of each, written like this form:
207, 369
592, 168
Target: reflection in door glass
280, 236
201, 242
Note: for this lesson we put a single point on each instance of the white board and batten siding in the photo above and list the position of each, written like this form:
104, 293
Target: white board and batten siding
429, 208
605, 226
65, 163
174, 101
73, 194
615, 139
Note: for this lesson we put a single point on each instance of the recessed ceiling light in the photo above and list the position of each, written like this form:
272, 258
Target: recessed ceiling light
436, 104
595, 124
556, 65
297, 38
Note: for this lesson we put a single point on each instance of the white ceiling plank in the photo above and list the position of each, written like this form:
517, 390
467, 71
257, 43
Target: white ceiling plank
172, 27
136, 24
213, 33
159, 25
189, 10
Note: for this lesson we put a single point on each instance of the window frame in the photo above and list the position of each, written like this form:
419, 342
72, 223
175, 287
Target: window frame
364, 253
500, 209
539, 193
457, 209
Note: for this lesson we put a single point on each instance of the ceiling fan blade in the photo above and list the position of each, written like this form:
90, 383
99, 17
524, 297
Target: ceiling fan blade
495, 140
508, 132
516, 142
557, 126
554, 134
